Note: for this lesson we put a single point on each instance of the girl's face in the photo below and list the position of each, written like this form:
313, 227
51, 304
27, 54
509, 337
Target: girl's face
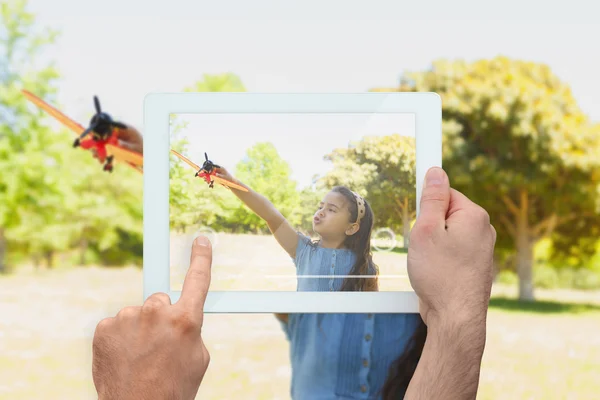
332, 218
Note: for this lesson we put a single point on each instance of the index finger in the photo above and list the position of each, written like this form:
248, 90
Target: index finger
197, 279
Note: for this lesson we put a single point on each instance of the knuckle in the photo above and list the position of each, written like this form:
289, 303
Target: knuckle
198, 274
103, 326
484, 216
423, 229
433, 196
156, 302
206, 356
185, 322
128, 312
479, 214
102, 334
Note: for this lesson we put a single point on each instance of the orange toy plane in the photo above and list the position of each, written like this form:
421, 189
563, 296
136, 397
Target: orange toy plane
101, 135
208, 172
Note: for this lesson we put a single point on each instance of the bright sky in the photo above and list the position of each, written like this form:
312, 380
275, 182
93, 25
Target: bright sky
300, 139
122, 50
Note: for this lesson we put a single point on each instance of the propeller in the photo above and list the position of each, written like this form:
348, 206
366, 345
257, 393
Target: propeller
97, 104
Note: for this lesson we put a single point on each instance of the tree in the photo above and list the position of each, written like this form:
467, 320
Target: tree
383, 169
227, 82
189, 203
188, 206
29, 191
308, 203
267, 173
517, 144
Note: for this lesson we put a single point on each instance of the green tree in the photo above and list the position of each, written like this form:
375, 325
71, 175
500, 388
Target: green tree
190, 204
103, 211
309, 198
227, 82
267, 173
383, 169
29, 190
517, 144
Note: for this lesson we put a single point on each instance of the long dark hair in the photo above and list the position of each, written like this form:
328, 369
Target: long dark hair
403, 368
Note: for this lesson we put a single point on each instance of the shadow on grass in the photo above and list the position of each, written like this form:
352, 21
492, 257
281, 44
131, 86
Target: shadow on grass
541, 306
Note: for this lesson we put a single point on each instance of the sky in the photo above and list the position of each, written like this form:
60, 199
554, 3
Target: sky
300, 139
123, 50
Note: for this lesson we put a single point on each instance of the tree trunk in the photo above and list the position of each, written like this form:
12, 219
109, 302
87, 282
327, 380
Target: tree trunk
406, 224
2, 251
524, 246
83, 246
49, 256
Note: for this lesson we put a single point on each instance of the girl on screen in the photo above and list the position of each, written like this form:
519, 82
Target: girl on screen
340, 355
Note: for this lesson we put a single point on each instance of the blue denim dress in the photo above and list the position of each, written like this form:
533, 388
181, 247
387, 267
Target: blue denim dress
340, 356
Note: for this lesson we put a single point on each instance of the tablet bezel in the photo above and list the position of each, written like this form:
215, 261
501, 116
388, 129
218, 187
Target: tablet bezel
427, 108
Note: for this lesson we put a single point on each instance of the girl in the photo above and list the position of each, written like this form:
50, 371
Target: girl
356, 356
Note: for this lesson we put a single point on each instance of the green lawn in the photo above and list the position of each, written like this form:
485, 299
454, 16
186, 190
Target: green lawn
549, 350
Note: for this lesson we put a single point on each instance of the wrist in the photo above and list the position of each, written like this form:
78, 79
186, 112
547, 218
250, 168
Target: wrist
142, 392
454, 327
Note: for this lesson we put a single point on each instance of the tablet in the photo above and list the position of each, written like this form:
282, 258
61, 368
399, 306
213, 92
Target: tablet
307, 186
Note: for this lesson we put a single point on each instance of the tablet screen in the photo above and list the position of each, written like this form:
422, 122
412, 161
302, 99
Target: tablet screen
311, 202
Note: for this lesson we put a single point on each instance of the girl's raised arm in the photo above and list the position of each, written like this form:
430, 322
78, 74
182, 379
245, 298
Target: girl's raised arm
284, 233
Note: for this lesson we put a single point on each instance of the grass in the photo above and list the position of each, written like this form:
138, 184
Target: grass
543, 350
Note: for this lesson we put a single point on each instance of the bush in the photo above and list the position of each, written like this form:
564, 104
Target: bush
545, 277
586, 280
566, 277
507, 277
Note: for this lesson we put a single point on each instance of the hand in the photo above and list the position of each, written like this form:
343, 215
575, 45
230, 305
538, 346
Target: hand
450, 254
131, 139
223, 173
156, 351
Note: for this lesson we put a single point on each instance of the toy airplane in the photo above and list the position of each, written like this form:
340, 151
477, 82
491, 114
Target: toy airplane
208, 173
101, 135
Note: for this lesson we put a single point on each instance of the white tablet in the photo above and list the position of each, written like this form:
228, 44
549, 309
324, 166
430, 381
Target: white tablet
320, 160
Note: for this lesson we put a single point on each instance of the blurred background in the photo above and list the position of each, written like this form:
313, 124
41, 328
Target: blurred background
521, 109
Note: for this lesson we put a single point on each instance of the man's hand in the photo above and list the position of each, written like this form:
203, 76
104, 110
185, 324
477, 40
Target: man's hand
131, 139
450, 268
156, 351
450, 255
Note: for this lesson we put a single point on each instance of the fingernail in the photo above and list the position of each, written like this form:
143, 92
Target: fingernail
201, 241
434, 177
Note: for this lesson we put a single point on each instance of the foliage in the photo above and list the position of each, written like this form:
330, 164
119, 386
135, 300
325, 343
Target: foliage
383, 170
191, 208
309, 199
189, 205
30, 191
517, 144
227, 82
54, 198
268, 174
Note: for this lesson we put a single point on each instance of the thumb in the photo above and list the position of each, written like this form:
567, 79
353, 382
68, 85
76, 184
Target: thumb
435, 199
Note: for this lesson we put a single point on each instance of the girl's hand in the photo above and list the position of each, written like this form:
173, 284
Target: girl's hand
223, 173
131, 139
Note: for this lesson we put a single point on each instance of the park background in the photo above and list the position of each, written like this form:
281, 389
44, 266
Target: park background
293, 160
519, 86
